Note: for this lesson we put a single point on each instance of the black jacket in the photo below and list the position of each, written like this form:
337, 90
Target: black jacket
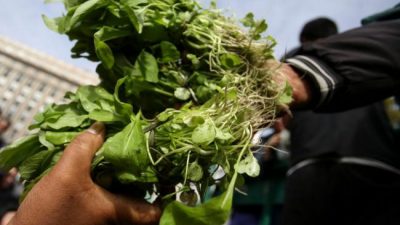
353, 68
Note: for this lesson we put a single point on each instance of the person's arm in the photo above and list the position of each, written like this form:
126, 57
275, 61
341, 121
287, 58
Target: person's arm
348, 70
67, 195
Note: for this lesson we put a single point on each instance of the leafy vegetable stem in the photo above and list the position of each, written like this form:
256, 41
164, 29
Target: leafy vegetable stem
152, 126
148, 150
187, 168
168, 84
197, 148
233, 180
183, 149
160, 91
202, 151
176, 192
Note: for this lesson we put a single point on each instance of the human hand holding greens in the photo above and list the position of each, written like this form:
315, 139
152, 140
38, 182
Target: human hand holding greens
67, 194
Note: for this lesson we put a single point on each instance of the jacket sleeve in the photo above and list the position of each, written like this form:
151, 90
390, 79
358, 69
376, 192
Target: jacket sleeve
353, 68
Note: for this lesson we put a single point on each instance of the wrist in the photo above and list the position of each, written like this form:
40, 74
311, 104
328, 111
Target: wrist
302, 93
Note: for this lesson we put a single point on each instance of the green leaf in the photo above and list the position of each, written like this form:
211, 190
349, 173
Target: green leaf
256, 27
159, 18
248, 165
60, 138
95, 98
12, 155
146, 176
44, 142
204, 133
166, 114
104, 52
169, 52
286, 95
127, 150
230, 60
248, 20
154, 33
231, 94
84, 9
104, 116
52, 24
36, 164
223, 135
122, 109
115, 10
134, 3
108, 33
147, 65
193, 119
137, 19
216, 211
211, 212
69, 119
260, 27
195, 172
182, 93
193, 58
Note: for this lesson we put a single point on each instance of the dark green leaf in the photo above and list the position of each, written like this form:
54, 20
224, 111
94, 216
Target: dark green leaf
114, 9
204, 133
12, 155
146, 176
137, 19
169, 53
85, 8
107, 33
36, 164
127, 150
260, 27
248, 20
92, 98
216, 211
147, 65
122, 109
195, 172
104, 52
230, 60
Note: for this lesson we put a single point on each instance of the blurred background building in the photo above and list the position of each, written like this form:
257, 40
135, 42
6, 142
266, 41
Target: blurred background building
29, 80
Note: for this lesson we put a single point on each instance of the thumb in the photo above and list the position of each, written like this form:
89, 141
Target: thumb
78, 155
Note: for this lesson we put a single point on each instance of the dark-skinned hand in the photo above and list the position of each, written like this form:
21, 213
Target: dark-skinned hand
67, 195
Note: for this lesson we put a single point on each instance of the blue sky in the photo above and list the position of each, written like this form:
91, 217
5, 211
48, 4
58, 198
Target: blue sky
21, 20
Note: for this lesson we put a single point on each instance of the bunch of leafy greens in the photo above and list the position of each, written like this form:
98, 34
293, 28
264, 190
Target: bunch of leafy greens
155, 56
